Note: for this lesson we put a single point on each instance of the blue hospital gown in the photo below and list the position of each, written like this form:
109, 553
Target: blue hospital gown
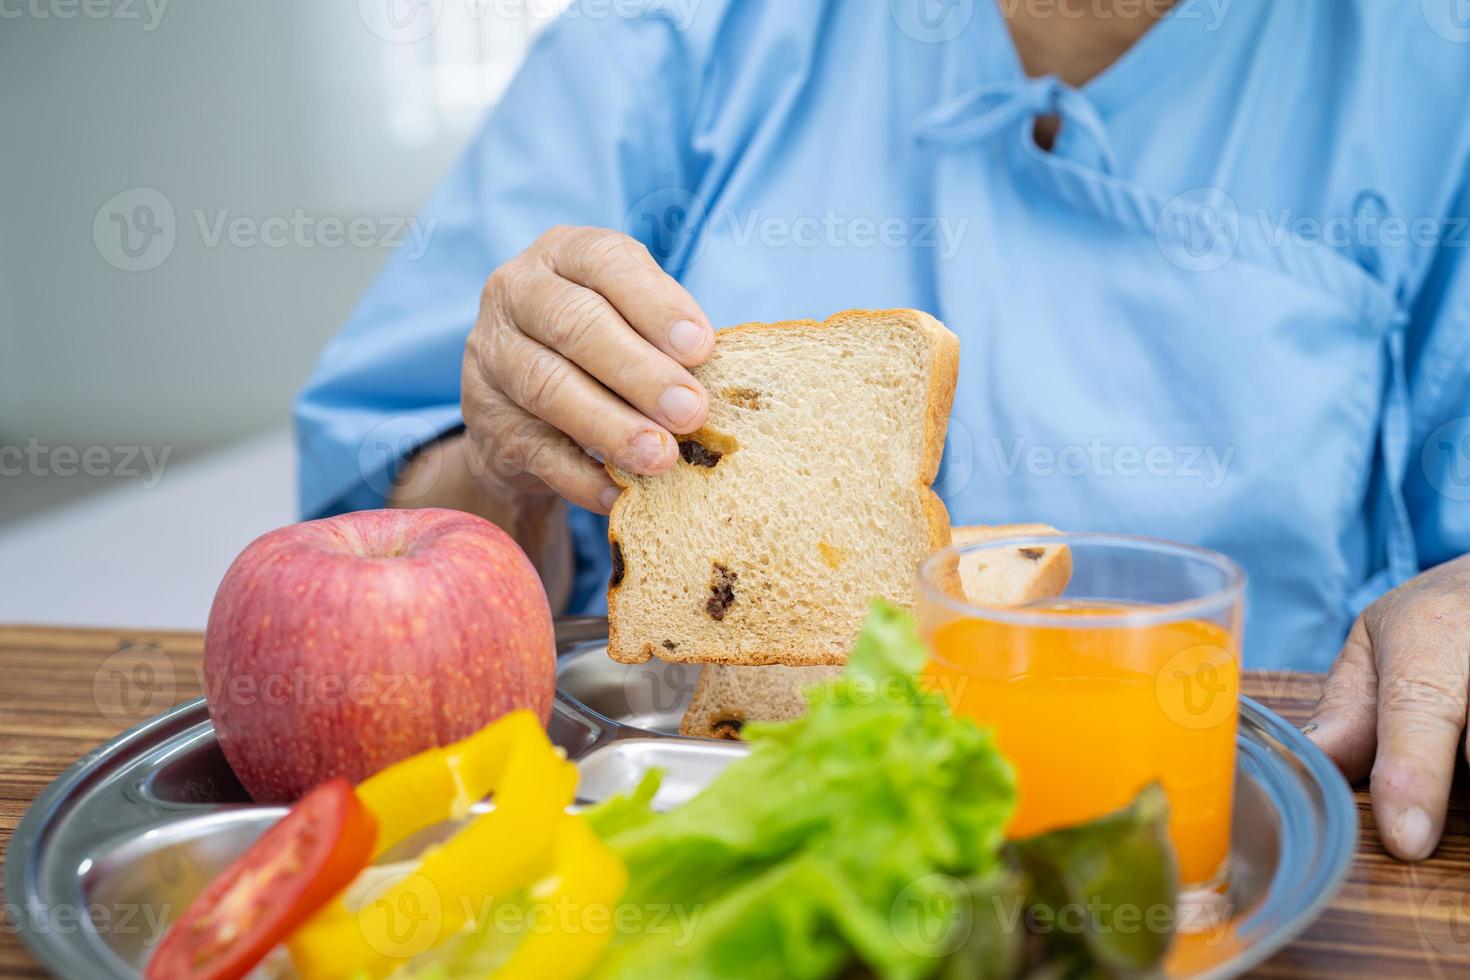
1229, 307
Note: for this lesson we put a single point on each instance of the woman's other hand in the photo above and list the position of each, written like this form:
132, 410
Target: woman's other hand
1394, 708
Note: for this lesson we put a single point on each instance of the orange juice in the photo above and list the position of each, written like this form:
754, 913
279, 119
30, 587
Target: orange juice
1091, 713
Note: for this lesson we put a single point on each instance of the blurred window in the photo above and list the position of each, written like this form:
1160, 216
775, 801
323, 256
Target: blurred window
445, 81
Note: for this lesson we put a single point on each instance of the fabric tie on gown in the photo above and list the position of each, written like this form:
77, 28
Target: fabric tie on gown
978, 114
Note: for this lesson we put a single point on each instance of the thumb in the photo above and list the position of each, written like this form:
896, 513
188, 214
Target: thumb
1344, 723
1419, 650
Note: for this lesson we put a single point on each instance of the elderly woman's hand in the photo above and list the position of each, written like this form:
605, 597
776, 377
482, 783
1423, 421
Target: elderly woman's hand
1395, 704
582, 343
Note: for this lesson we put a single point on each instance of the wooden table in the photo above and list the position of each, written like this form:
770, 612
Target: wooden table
63, 691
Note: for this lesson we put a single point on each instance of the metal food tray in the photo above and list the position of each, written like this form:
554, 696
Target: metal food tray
123, 840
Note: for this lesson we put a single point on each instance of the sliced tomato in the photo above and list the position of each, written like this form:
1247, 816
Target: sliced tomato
292, 870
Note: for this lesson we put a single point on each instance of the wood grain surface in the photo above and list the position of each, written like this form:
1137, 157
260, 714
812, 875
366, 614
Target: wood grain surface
64, 691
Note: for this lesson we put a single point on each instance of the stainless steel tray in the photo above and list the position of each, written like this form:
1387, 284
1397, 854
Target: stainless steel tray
120, 842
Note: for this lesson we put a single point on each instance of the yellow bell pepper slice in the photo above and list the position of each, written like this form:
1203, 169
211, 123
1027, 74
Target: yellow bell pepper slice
498, 852
441, 784
588, 878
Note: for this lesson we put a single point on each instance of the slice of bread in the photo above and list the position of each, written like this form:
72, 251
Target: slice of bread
1011, 576
805, 494
728, 697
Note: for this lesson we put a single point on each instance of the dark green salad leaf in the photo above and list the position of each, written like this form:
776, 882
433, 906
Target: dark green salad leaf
1096, 899
1106, 888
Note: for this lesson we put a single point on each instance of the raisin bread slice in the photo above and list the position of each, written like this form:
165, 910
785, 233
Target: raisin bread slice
806, 493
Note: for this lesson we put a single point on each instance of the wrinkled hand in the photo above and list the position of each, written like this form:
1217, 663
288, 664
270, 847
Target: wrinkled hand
582, 346
1395, 704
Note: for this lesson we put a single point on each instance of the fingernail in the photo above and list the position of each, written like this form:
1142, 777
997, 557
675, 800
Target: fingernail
608, 497
1411, 830
686, 337
648, 446
679, 404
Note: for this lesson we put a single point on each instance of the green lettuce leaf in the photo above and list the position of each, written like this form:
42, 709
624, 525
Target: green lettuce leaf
623, 813
841, 835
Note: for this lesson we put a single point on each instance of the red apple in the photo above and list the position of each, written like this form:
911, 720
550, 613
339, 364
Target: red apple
339, 646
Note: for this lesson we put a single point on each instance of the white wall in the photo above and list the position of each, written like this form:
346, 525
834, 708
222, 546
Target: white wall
246, 110
253, 110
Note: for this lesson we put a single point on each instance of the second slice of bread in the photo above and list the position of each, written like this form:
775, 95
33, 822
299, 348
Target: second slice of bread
805, 494
1011, 576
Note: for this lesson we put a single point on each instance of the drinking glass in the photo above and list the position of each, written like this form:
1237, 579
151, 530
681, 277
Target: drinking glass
1130, 676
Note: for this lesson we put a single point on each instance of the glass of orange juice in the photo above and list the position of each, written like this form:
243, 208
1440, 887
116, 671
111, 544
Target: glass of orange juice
1130, 676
